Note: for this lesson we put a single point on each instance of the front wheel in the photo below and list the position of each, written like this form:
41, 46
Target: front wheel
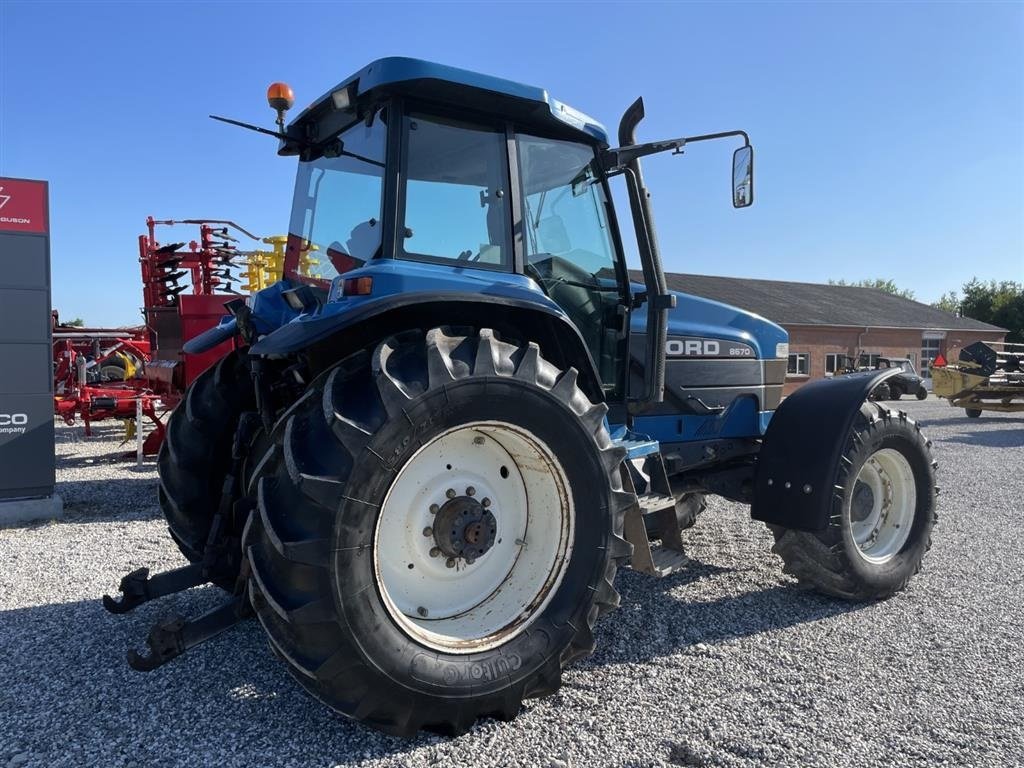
437, 530
973, 413
922, 393
882, 514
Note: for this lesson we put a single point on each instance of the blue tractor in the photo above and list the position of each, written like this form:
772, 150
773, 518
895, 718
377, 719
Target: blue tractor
456, 416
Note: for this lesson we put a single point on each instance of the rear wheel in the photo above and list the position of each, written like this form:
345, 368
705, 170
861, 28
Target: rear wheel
882, 514
438, 529
195, 456
973, 413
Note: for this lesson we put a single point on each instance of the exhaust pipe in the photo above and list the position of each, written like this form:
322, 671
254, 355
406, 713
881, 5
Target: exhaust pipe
659, 300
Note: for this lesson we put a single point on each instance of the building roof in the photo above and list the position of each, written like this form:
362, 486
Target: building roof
789, 303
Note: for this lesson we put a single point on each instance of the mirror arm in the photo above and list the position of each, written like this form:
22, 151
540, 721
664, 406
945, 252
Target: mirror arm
615, 161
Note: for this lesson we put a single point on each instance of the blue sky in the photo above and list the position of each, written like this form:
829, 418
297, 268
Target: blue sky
889, 137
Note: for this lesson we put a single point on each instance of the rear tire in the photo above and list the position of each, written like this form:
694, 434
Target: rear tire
973, 413
881, 522
195, 456
338, 544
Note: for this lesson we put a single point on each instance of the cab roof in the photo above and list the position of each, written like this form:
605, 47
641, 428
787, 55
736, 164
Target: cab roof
460, 88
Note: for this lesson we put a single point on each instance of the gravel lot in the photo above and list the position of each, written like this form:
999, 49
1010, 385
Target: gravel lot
724, 664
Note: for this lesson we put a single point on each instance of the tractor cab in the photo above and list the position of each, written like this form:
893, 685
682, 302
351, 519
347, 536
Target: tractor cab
442, 179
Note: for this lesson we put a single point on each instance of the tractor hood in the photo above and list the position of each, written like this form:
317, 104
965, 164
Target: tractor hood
702, 328
724, 371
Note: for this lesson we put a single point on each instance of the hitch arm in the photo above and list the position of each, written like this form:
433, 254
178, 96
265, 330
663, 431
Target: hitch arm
138, 588
172, 636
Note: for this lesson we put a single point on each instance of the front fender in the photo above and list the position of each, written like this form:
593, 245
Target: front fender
799, 458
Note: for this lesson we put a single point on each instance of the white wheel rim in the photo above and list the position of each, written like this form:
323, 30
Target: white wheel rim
470, 607
883, 505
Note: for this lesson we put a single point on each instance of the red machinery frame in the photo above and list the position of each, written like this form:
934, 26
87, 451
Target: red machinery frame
184, 291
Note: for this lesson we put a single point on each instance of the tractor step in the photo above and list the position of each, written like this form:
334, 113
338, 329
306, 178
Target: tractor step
652, 503
665, 562
654, 515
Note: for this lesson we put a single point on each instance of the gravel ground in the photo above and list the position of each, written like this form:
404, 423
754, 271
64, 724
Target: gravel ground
725, 664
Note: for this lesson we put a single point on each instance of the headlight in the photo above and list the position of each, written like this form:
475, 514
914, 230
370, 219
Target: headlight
782, 349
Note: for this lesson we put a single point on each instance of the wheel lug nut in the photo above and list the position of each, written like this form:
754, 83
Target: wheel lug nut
435, 551
450, 493
485, 502
428, 531
421, 611
470, 560
450, 562
478, 440
434, 509
471, 491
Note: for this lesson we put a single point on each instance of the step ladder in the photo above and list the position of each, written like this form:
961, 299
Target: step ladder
653, 517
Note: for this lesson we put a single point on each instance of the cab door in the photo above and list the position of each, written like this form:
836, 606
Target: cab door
570, 248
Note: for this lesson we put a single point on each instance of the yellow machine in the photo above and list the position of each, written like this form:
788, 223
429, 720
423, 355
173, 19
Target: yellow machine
267, 267
987, 377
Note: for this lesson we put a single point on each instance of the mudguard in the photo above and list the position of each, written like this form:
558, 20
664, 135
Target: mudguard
310, 329
453, 307
800, 455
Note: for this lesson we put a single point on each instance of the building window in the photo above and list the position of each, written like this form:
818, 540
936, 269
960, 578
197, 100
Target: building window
929, 351
799, 364
868, 359
831, 362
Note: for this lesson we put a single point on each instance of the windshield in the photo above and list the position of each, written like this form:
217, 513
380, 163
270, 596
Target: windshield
336, 214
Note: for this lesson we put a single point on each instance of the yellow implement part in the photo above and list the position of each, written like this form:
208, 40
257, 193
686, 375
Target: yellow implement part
949, 382
265, 268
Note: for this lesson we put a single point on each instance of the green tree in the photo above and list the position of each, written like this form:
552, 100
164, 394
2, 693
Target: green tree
948, 302
77, 322
996, 302
879, 284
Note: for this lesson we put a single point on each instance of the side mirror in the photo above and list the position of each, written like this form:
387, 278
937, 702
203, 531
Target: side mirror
743, 177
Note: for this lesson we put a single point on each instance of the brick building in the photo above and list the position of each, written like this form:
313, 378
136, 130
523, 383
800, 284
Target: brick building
827, 320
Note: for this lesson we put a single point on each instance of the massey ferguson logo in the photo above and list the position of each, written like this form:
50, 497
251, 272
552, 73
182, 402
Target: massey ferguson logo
22, 205
4, 200
13, 423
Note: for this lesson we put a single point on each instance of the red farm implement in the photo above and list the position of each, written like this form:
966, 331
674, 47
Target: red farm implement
113, 373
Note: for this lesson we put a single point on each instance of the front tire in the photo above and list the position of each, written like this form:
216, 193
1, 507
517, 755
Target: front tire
388, 587
973, 413
922, 393
882, 519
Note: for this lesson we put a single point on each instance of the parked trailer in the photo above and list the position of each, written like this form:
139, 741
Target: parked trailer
989, 376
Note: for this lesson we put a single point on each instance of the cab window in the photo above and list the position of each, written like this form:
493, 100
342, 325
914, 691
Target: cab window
570, 252
455, 194
336, 216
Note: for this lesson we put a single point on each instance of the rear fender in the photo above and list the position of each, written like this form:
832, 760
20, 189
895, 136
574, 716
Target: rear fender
326, 338
799, 458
